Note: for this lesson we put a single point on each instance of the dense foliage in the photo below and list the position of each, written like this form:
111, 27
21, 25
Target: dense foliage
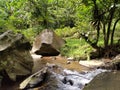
23, 14
105, 16
95, 20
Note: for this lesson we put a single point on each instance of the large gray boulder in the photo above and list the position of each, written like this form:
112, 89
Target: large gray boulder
47, 43
15, 58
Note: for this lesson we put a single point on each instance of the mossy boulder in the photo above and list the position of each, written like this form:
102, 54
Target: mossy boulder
15, 58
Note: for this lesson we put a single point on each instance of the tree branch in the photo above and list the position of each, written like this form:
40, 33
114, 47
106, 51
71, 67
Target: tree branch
93, 44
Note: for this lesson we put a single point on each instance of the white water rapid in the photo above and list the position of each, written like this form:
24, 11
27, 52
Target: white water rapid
72, 80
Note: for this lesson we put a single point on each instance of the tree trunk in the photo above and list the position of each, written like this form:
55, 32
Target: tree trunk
112, 35
104, 33
92, 44
98, 33
109, 25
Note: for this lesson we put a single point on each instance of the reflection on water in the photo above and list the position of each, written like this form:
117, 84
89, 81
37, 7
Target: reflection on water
105, 81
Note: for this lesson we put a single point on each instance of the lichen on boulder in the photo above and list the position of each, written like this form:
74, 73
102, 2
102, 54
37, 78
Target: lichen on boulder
15, 58
47, 43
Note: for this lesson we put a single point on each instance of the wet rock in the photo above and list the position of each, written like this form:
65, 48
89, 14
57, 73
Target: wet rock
70, 59
45, 76
112, 64
66, 80
92, 63
47, 43
34, 79
105, 81
68, 62
15, 58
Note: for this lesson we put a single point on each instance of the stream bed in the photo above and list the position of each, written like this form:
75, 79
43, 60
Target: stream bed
72, 76
57, 78
97, 79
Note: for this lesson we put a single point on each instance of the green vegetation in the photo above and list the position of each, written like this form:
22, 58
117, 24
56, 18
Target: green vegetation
96, 21
76, 48
105, 17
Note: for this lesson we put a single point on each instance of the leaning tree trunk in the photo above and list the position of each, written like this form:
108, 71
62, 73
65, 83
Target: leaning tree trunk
113, 31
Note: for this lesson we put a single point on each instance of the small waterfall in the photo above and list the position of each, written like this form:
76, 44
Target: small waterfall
73, 80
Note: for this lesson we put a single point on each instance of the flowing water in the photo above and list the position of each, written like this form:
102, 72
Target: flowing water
75, 77
73, 80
